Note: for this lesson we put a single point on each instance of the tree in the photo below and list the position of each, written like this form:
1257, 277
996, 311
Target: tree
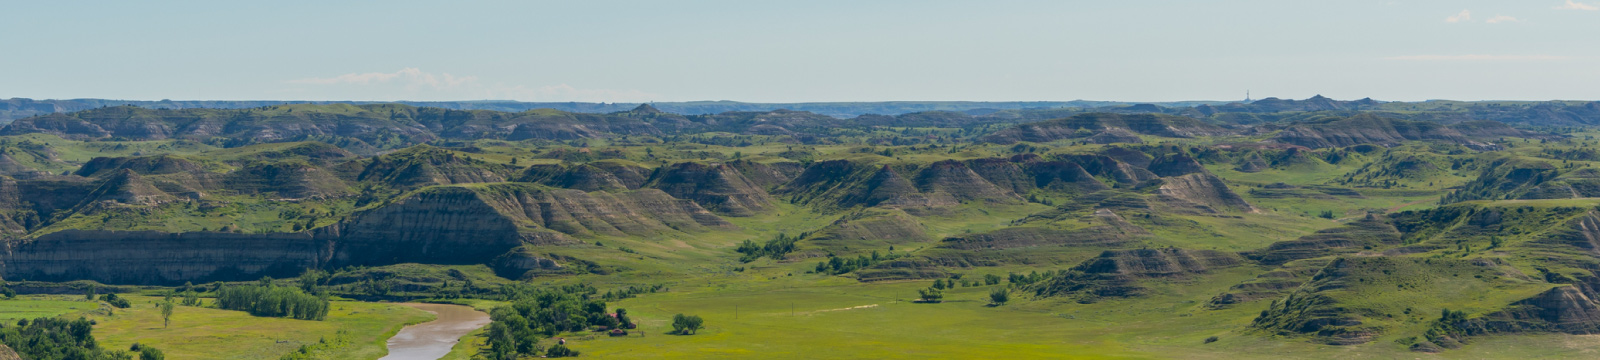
931, 294
89, 294
1000, 297
622, 318
695, 323
311, 278
166, 313
687, 324
151, 353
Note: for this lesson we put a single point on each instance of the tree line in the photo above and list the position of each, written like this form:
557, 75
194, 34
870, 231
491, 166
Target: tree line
273, 301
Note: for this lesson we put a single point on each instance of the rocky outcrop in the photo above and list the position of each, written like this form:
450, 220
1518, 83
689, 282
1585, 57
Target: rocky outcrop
1203, 190
438, 225
1064, 176
886, 187
149, 257
1175, 165
1564, 309
1003, 173
717, 187
767, 175
522, 263
953, 179
1115, 273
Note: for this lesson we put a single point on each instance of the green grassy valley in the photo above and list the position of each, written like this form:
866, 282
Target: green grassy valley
1271, 229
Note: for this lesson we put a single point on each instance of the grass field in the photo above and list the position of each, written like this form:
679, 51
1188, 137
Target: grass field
37, 306
798, 317
204, 333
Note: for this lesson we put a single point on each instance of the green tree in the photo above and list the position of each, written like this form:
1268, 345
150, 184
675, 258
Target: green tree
687, 324
166, 312
931, 294
151, 353
1000, 296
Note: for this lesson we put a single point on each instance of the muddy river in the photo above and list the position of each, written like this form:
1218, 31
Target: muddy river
432, 340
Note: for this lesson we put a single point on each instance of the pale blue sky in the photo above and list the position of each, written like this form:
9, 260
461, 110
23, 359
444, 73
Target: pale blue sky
765, 51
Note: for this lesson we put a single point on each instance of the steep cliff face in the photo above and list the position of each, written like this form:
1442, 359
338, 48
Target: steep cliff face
717, 187
441, 225
147, 257
437, 225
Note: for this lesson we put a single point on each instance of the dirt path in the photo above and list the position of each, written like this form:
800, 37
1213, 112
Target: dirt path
432, 340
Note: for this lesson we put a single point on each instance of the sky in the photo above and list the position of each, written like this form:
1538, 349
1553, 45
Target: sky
800, 51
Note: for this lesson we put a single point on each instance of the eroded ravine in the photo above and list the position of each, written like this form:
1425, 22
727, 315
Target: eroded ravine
432, 340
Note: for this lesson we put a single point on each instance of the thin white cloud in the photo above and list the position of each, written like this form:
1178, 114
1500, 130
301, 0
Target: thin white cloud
1502, 19
1479, 58
415, 84
1573, 5
1464, 15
